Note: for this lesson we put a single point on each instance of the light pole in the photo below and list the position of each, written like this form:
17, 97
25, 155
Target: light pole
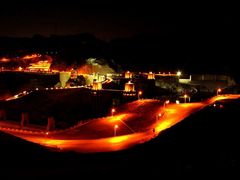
165, 103
158, 116
113, 111
139, 94
115, 129
185, 97
218, 91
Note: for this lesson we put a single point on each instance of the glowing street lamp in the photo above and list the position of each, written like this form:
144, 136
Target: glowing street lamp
185, 97
139, 94
165, 103
158, 116
179, 73
113, 111
115, 129
218, 91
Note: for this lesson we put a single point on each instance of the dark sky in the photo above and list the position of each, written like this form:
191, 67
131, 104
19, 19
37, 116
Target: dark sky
106, 20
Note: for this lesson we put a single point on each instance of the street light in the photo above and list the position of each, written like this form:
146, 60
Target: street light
115, 129
158, 116
179, 73
113, 111
165, 103
139, 94
218, 91
185, 97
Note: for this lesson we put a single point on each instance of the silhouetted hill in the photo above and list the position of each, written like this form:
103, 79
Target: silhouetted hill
198, 51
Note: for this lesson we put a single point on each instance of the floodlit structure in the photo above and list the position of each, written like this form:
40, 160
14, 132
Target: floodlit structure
39, 66
129, 87
128, 75
97, 85
64, 77
151, 75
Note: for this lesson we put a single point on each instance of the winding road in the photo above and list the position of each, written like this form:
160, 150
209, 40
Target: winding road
135, 123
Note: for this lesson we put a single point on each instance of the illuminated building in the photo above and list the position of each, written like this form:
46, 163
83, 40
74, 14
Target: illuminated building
97, 85
128, 75
42, 66
151, 75
129, 87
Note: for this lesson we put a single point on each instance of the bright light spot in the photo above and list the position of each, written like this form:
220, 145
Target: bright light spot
140, 92
159, 114
179, 73
177, 102
47, 133
113, 110
36, 89
219, 90
16, 96
116, 126
185, 96
167, 102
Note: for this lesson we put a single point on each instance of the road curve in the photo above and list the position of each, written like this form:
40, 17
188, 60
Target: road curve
137, 123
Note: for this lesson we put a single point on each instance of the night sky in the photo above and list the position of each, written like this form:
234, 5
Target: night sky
108, 21
197, 33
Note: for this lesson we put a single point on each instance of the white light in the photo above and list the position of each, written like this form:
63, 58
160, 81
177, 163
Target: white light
177, 102
179, 73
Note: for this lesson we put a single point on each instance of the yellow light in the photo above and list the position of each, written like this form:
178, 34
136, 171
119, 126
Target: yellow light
179, 73
185, 96
118, 139
20, 68
116, 126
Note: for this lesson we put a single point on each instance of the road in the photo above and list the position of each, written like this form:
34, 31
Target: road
137, 123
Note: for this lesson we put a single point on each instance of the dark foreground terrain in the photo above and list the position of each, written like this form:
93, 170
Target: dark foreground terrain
206, 142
